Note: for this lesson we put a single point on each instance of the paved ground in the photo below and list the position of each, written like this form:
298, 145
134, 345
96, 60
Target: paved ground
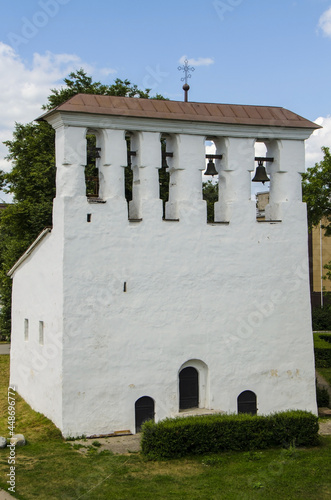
4, 349
4, 495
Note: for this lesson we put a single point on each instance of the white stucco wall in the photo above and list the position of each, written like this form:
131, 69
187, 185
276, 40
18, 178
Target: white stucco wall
35, 369
231, 298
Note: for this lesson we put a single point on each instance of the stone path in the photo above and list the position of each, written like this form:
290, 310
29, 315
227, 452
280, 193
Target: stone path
4, 495
4, 349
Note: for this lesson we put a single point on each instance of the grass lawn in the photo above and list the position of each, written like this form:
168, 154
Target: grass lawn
49, 468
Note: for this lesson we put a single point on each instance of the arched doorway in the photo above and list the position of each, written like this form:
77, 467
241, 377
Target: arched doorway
247, 402
144, 410
188, 388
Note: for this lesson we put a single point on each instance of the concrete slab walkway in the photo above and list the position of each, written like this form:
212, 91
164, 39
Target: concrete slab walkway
4, 495
4, 348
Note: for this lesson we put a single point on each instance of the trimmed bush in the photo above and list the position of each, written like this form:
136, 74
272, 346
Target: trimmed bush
175, 438
322, 397
322, 349
321, 318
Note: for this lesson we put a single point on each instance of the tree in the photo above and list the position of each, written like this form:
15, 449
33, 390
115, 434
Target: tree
32, 178
316, 188
210, 194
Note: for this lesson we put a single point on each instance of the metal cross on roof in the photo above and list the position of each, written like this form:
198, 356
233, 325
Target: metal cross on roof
187, 69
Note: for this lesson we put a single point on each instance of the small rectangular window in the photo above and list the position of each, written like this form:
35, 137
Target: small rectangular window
41, 332
26, 330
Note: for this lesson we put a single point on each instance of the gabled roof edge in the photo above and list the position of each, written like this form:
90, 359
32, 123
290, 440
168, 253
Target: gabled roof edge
29, 250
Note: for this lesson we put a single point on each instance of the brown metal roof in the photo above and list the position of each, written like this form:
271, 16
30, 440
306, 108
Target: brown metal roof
188, 111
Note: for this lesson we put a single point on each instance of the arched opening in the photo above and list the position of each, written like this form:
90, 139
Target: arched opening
188, 388
260, 190
210, 179
164, 175
144, 410
92, 181
246, 402
128, 173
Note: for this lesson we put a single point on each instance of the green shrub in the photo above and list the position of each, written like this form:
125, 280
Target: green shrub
322, 349
322, 397
174, 438
321, 318
326, 337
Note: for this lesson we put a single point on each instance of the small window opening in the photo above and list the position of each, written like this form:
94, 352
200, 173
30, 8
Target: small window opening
26, 330
210, 184
164, 176
260, 191
41, 332
91, 169
128, 173
89, 217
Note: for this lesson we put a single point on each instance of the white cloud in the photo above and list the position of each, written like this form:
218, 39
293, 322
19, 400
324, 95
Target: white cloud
324, 22
202, 61
321, 137
24, 87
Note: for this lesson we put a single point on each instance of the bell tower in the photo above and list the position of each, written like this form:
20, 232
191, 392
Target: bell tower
149, 309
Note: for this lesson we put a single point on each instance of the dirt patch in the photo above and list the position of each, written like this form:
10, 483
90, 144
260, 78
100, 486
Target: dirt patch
121, 445
325, 427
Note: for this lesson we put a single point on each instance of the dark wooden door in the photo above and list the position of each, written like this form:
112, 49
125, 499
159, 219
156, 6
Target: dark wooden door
188, 388
247, 403
144, 410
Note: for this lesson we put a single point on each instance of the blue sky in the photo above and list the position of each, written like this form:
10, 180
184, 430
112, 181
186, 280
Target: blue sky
244, 51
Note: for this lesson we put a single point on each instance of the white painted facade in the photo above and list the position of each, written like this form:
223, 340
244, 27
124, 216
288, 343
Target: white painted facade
126, 304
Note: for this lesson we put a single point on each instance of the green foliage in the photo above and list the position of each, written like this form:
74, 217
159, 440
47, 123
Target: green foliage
321, 318
174, 438
322, 396
316, 189
31, 181
210, 194
79, 83
322, 350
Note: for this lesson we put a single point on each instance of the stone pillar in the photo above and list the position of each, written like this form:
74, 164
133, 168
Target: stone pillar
285, 177
146, 203
112, 163
185, 189
70, 161
235, 204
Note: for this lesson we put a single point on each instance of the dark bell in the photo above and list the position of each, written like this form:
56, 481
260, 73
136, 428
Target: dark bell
260, 174
211, 170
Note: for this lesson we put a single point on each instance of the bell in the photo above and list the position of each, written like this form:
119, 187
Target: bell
260, 174
211, 170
